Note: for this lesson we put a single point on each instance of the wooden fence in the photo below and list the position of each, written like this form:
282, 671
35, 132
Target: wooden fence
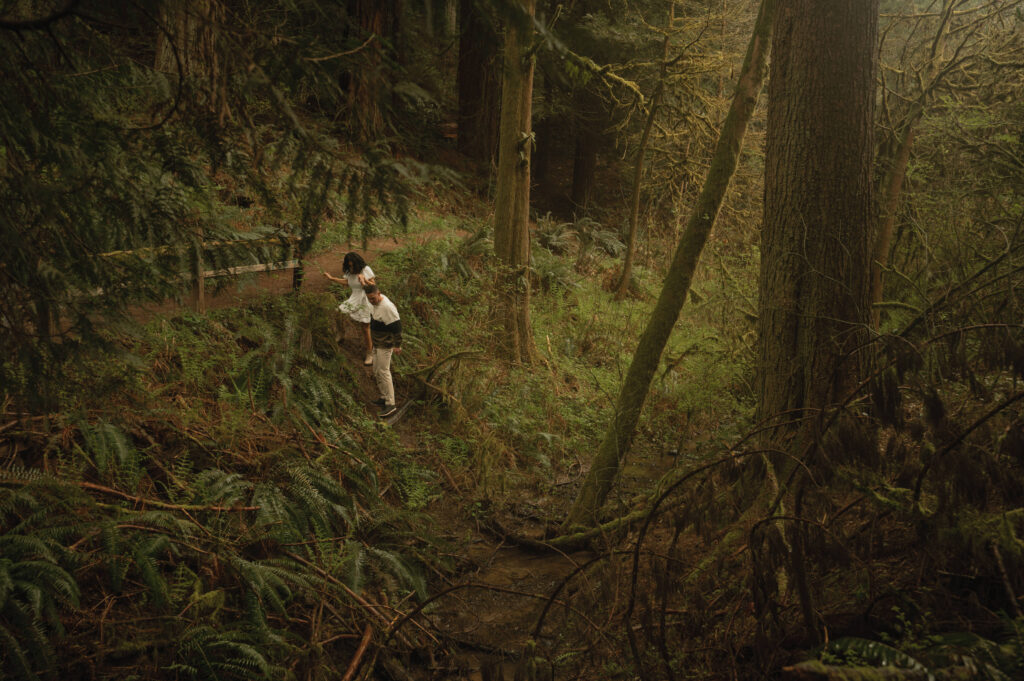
199, 274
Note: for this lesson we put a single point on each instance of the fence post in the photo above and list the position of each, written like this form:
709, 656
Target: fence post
298, 274
198, 281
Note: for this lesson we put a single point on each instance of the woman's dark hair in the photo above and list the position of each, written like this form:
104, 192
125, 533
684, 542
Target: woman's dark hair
353, 263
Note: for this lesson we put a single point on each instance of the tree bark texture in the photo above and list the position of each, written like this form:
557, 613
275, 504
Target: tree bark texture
819, 210
619, 436
366, 87
479, 85
512, 199
186, 46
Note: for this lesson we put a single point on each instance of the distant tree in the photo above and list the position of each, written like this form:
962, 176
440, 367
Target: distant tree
479, 85
512, 200
591, 118
376, 23
626, 276
188, 47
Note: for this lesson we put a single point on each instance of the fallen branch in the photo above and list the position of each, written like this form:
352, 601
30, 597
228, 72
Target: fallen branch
8, 479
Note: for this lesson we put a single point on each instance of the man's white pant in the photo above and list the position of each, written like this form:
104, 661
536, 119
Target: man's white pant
382, 372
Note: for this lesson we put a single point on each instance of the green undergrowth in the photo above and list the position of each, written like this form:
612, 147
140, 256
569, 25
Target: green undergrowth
211, 501
511, 427
214, 494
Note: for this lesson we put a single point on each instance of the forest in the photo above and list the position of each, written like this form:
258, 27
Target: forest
696, 349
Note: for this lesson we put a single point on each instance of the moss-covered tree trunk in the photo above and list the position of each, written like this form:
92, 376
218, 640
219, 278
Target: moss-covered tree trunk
619, 435
512, 200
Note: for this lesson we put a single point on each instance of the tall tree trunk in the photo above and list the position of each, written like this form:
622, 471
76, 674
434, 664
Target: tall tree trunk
818, 212
634, 391
479, 85
512, 200
818, 219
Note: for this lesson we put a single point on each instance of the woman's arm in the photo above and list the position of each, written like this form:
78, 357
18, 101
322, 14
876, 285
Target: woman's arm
335, 279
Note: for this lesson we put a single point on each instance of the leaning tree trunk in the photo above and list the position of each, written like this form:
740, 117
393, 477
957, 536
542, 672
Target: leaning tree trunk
634, 391
512, 200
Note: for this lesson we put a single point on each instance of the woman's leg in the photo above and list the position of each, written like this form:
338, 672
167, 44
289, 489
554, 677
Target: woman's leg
369, 344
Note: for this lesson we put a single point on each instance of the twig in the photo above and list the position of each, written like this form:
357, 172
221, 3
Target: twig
353, 666
367, 605
346, 53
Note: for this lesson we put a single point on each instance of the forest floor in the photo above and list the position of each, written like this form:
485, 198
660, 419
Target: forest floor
488, 611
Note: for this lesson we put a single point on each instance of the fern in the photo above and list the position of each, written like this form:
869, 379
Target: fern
208, 653
216, 487
145, 555
861, 652
400, 568
113, 454
33, 588
352, 564
981, 657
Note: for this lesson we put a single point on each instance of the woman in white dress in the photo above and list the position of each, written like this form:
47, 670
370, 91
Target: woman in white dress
357, 307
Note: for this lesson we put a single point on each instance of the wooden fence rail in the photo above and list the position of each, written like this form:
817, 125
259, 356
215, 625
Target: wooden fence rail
199, 274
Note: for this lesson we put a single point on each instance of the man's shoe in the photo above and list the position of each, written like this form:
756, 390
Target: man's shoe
379, 402
368, 362
387, 410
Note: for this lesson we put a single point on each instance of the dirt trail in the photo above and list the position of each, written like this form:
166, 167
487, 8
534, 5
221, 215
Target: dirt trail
239, 290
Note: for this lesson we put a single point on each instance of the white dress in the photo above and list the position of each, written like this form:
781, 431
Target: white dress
357, 306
